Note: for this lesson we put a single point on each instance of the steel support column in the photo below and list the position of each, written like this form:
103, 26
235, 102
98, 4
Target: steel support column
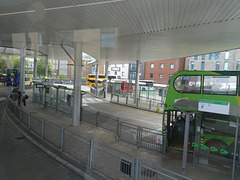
35, 69
96, 79
185, 143
22, 68
77, 84
106, 76
46, 66
235, 149
137, 81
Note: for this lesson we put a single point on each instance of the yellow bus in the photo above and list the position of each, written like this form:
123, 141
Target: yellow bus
92, 77
28, 78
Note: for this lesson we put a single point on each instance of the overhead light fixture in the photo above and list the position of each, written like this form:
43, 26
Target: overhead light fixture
81, 5
19, 12
62, 7
97, 3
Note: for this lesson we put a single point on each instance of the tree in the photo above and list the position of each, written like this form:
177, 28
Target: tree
41, 68
3, 64
63, 77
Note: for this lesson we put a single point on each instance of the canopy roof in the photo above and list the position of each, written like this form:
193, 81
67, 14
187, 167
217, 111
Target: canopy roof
121, 31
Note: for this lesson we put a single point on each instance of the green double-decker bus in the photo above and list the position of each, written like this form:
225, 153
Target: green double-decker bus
215, 131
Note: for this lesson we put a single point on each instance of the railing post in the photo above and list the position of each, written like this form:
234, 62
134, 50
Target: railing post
111, 96
139, 136
62, 139
20, 118
43, 128
118, 98
29, 120
137, 101
164, 141
14, 109
127, 99
118, 129
97, 114
90, 157
136, 170
150, 104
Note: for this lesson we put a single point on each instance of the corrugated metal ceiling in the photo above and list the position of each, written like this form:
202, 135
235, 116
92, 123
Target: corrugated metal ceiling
122, 30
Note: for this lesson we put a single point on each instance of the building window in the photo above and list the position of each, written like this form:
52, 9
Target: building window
214, 56
133, 67
123, 74
115, 72
225, 66
238, 66
171, 66
217, 66
132, 75
192, 65
151, 75
202, 65
195, 57
226, 55
203, 57
161, 66
160, 76
151, 66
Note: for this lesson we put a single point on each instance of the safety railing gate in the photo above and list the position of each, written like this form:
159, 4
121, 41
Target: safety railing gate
143, 137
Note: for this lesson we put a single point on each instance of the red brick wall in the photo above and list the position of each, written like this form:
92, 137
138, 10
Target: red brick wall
166, 71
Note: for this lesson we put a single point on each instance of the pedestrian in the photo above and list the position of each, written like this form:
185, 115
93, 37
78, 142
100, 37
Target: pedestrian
10, 92
15, 97
19, 98
24, 97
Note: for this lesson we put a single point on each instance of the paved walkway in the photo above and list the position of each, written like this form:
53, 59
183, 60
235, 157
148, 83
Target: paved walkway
170, 160
21, 160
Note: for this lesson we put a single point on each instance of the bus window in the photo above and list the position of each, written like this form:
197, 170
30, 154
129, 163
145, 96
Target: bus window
101, 76
188, 84
220, 85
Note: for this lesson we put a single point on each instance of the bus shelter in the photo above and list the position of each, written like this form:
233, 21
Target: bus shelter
210, 131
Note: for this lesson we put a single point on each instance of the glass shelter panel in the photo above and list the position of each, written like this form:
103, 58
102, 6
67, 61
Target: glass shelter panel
220, 85
188, 84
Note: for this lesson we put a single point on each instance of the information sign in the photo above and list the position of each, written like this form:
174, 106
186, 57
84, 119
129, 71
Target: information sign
218, 107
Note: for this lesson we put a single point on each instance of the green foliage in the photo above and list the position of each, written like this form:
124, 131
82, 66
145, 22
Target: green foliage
63, 77
14, 63
3, 64
41, 68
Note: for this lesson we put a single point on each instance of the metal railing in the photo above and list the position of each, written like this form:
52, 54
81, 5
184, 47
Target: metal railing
111, 162
140, 136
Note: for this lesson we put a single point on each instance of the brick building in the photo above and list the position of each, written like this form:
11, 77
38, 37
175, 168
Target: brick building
218, 61
161, 71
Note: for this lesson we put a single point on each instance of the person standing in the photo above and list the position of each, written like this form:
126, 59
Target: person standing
15, 96
19, 98
24, 97
10, 91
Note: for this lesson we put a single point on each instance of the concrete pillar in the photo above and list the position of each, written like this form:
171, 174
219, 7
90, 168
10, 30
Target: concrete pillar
22, 68
46, 66
106, 76
77, 84
137, 80
96, 75
35, 69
